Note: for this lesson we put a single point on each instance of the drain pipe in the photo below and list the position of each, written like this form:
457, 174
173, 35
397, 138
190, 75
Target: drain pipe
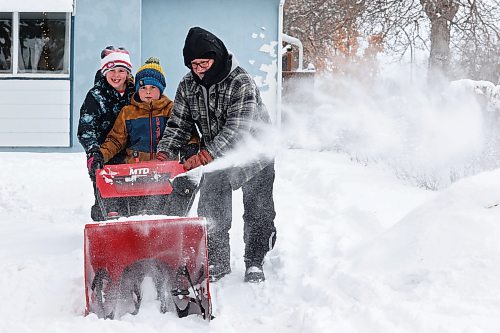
297, 42
280, 65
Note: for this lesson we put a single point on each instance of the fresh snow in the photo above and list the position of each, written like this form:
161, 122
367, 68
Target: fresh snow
357, 251
362, 245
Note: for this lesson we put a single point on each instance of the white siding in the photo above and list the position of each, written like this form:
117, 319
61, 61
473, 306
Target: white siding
34, 113
36, 6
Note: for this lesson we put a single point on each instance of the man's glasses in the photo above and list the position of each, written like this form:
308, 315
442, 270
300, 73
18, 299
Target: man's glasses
202, 64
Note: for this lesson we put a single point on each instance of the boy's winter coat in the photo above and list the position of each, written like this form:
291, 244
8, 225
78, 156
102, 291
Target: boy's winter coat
99, 111
138, 128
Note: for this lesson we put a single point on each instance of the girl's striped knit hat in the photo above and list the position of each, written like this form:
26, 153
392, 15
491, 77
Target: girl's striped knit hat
112, 57
151, 73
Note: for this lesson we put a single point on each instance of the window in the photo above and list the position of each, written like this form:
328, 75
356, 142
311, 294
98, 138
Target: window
5, 43
40, 47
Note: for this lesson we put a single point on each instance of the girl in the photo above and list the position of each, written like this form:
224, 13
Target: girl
113, 87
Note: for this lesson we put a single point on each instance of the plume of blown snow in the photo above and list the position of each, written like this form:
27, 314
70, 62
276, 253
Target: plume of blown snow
427, 136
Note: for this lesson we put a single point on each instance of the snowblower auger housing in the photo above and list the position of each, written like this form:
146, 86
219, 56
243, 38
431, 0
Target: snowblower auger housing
168, 247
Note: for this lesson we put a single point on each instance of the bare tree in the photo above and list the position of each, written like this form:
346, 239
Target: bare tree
476, 41
325, 27
461, 36
399, 21
441, 14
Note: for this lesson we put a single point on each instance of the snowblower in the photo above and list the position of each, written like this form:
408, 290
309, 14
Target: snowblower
146, 234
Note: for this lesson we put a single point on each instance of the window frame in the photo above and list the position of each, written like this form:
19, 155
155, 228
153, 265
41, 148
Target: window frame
15, 52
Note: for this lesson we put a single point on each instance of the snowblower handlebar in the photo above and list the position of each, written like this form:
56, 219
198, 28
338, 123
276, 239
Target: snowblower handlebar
139, 179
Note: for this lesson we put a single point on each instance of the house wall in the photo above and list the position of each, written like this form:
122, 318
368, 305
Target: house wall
249, 29
158, 28
35, 113
35, 107
99, 24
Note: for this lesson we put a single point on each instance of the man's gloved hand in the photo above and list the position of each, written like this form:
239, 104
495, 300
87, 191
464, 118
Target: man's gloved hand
202, 158
164, 157
95, 161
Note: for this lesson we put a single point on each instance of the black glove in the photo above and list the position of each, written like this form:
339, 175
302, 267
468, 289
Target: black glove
188, 150
183, 185
95, 161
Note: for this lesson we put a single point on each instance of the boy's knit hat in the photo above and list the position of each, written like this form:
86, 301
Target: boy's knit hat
112, 57
150, 73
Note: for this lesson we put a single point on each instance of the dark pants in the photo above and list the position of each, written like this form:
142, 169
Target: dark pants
215, 204
95, 210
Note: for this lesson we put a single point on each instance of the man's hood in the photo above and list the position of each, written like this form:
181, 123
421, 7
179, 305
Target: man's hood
202, 44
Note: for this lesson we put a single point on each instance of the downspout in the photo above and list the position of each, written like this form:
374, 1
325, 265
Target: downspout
297, 42
280, 63
73, 114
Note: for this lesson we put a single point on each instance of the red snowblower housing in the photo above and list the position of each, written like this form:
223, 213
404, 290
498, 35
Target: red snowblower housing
168, 247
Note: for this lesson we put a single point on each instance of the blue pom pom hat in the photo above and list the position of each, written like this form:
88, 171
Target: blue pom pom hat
150, 73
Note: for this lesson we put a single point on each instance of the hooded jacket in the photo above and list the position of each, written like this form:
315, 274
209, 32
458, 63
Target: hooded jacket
99, 111
224, 107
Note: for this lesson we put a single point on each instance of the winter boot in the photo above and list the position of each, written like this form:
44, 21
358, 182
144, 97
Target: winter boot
254, 273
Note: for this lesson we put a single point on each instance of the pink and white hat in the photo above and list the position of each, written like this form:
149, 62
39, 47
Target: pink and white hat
112, 57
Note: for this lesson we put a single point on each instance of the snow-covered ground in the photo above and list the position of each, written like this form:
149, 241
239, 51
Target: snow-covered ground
357, 251
362, 245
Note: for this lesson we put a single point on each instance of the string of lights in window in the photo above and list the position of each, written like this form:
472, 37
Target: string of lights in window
46, 39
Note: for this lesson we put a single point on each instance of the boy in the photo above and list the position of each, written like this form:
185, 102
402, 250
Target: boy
140, 125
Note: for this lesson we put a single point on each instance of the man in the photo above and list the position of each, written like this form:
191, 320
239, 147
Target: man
221, 100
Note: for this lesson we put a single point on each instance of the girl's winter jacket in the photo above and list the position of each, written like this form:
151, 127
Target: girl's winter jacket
138, 128
99, 111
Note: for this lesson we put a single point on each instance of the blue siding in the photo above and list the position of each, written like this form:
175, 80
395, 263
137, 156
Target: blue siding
165, 24
97, 25
158, 28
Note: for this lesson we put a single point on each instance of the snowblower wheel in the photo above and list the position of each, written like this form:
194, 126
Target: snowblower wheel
97, 287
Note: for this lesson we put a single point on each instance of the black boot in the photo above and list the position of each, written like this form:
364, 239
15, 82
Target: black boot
254, 273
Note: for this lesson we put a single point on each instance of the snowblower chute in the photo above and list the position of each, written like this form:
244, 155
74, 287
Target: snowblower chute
168, 247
